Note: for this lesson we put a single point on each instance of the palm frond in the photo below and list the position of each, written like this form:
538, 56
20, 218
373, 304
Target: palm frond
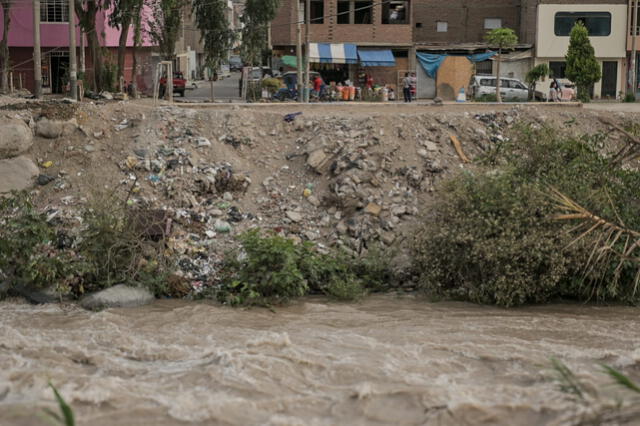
621, 379
568, 381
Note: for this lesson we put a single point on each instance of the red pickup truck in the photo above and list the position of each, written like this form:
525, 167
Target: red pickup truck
179, 84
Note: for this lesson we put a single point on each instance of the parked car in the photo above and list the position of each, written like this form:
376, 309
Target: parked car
235, 63
568, 90
511, 89
179, 84
224, 71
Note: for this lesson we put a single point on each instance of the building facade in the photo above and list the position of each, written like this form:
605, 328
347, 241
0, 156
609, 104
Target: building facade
54, 40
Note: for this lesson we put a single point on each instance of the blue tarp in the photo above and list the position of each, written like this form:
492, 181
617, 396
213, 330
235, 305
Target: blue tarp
431, 61
376, 58
479, 57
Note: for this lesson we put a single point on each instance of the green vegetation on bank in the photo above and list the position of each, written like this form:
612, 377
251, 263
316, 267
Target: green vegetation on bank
269, 269
541, 216
494, 235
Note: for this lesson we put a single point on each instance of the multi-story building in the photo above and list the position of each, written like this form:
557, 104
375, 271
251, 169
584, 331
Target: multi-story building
607, 24
54, 36
455, 30
351, 39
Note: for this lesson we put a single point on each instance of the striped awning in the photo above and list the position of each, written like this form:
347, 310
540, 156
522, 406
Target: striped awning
333, 53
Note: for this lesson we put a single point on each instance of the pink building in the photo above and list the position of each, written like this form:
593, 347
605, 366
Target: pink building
54, 40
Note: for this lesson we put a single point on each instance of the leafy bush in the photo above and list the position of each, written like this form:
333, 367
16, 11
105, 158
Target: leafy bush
271, 269
489, 242
493, 237
29, 253
487, 98
271, 84
630, 97
112, 247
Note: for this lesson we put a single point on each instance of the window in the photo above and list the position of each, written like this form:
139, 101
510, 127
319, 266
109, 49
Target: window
317, 11
362, 12
442, 26
488, 82
558, 69
513, 84
484, 67
344, 12
54, 11
492, 23
395, 12
598, 23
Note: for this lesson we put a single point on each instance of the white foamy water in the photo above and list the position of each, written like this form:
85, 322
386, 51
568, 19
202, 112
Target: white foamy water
387, 360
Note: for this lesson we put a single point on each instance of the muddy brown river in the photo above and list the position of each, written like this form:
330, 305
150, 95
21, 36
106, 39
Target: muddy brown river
385, 361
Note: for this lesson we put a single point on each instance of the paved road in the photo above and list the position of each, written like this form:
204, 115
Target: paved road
226, 89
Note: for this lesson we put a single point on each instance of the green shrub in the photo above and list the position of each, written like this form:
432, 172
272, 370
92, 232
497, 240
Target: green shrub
265, 272
489, 242
271, 84
630, 97
28, 251
487, 98
493, 237
270, 269
112, 247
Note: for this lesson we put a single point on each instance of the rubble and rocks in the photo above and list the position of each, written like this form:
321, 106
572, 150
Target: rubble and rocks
118, 296
17, 174
341, 180
15, 138
53, 129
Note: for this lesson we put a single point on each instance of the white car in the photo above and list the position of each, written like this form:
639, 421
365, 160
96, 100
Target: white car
513, 90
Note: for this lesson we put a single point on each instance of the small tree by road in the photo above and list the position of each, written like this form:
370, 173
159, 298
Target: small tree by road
501, 39
536, 74
582, 67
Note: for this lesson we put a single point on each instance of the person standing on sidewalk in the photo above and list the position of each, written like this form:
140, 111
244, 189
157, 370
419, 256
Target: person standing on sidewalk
406, 87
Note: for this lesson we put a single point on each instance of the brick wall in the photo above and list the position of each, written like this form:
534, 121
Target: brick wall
284, 32
465, 19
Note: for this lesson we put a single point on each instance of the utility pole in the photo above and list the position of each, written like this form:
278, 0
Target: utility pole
37, 58
634, 32
307, 45
299, 51
73, 64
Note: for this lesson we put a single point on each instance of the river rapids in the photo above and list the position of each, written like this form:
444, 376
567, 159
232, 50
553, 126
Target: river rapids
386, 361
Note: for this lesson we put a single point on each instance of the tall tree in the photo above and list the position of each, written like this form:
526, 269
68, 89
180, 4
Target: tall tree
582, 67
534, 75
4, 44
124, 13
164, 25
501, 39
137, 39
256, 18
87, 11
213, 23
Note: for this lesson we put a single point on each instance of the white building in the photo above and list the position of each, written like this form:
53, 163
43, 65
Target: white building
607, 25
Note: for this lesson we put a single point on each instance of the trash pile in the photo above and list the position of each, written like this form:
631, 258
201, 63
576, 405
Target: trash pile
350, 180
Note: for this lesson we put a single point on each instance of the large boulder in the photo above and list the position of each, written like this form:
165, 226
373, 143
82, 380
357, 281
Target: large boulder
15, 138
118, 296
37, 296
17, 174
52, 129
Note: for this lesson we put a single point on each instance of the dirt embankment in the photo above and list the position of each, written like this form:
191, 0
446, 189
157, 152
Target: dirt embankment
349, 177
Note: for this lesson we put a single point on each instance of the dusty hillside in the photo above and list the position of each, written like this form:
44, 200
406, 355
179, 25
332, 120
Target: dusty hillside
336, 176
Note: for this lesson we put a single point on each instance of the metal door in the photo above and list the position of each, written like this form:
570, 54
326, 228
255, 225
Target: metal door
609, 79
426, 85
